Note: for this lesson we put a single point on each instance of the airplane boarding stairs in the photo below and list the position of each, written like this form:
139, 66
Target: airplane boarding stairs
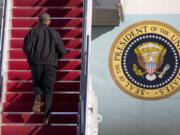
72, 109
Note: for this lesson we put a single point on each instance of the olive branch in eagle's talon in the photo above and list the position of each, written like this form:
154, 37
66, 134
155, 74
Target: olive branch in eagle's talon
137, 71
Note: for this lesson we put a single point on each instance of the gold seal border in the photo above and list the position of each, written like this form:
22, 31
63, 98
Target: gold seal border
113, 75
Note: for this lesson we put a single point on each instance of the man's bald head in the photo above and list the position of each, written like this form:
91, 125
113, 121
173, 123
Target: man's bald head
45, 18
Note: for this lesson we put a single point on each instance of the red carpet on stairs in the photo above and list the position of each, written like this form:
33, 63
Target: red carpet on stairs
17, 117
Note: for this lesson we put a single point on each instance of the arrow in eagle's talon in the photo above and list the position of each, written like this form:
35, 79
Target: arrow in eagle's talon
165, 69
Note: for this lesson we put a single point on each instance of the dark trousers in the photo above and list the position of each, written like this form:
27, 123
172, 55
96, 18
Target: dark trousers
43, 77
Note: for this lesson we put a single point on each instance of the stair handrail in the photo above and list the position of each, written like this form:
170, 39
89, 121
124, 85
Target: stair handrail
6, 33
87, 5
2, 39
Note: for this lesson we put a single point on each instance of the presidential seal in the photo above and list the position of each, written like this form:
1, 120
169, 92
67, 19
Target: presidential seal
145, 60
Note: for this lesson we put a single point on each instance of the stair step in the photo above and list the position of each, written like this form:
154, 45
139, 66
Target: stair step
28, 97
56, 23
49, 3
27, 86
65, 33
34, 119
39, 130
19, 54
54, 12
62, 65
62, 75
27, 107
68, 43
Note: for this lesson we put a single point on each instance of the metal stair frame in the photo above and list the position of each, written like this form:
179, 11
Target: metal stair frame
84, 84
5, 44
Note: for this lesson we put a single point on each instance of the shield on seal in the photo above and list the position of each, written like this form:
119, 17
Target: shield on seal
150, 68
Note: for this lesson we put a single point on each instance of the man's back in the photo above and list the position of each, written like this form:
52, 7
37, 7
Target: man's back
42, 45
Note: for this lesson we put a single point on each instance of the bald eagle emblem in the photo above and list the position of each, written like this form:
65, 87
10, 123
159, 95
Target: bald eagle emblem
150, 57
